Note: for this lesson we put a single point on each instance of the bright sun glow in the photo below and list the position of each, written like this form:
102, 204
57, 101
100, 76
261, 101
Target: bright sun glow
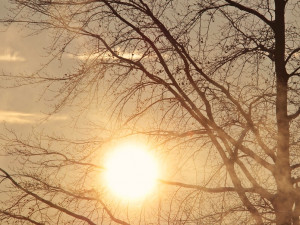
131, 171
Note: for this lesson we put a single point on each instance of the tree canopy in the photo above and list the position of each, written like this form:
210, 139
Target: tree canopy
213, 85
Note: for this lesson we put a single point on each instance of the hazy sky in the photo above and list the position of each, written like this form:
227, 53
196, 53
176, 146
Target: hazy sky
18, 54
22, 53
22, 109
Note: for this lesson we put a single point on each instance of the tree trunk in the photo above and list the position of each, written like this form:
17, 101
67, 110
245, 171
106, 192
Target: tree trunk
283, 202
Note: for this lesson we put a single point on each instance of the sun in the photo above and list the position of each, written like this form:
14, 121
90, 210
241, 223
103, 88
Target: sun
131, 171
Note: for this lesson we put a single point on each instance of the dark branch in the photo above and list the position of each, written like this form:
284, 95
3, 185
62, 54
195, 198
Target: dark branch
295, 115
20, 217
209, 190
251, 11
51, 204
291, 54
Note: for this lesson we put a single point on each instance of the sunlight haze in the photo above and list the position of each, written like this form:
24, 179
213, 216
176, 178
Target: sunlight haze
131, 171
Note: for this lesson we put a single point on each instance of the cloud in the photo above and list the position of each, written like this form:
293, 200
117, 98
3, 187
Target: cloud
25, 118
9, 55
104, 56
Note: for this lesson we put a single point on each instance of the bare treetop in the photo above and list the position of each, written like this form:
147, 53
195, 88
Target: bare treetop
213, 85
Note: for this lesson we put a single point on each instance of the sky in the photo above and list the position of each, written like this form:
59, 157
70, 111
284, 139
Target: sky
23, 109
22, 53
19, 53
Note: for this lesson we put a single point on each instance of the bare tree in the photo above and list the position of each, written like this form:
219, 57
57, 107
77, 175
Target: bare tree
214, 83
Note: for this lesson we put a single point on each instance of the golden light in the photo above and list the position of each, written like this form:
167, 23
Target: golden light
131, 171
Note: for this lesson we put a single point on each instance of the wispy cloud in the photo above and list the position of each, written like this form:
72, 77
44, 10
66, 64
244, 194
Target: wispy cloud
102, 56
25, 118
9, 55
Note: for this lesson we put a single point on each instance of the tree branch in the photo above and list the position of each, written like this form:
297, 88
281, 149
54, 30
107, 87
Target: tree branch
295, 115
51, 204
20, 217
251, 11
291, 54
209, 190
